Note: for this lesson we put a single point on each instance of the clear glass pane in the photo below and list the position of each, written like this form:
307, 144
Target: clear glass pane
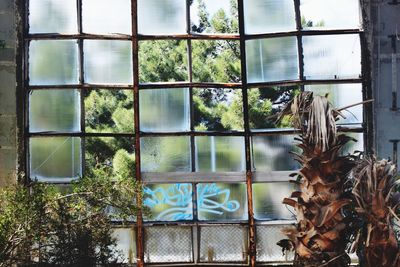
267, 201
53, 16
340, 14
108, 61
163, 61
216, 61
218, 110
169, 202
106, 17
342, 95
164, 110
109, 111
272, 153
332, 56
125, 245
165, 154
267, 250
223, 244
221, 201
210, 16
55, 157
54, 110
220, 154
264, 16
265, 105
272, 59
161, 17
168, 244
53, 62
112, 156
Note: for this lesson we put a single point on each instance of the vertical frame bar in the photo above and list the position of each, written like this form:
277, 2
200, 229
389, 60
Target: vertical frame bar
299, 41
81, 82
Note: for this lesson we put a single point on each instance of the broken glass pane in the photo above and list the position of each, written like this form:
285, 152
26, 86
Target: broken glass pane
267, 250
161, 17
168, 202
332, 56
220, 154
273, 59
106, 17
125, 245
55, 157
165, 154
264, 16
53, 62
108, 61
54, 110
164, 110
221, 201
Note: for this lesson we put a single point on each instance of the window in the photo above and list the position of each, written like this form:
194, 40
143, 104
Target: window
180, 94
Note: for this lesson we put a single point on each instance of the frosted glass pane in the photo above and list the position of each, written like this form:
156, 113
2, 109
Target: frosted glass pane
339, 14
218, 110
103, 16
273, 59
263, 16
218, 201
220, 154
55, 157
115, 155
165, 154
126, 245
164, 110
272, 153
109, 111
161, 16
54, 110
351, 147
342, 95
168, 244
108, 61
53, 62
216, 61
169, 202
267, 201
222, 16
223, 244
267, 249
53, 16
332, 56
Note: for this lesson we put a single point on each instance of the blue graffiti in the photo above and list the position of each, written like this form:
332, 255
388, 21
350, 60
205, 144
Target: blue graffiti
208, 192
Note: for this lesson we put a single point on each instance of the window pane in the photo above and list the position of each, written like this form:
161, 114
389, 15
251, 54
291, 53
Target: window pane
161, 17
52, 16
272, 153
169, 202
340, 14
221, 16
267, 201
220, 154
332, 56
164, 110
165, 154
163, 61
109, 111
342, 95
223, 244
263, 16
267, 250
125, 245
54, 110
53, 62
55, 157
352, 147
168, 244
216, 61
114, 156
103, 16
218, 201
218, 110
272, 59
108, 61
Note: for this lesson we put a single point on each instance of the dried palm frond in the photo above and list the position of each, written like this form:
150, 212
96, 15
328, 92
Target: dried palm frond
377, 204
